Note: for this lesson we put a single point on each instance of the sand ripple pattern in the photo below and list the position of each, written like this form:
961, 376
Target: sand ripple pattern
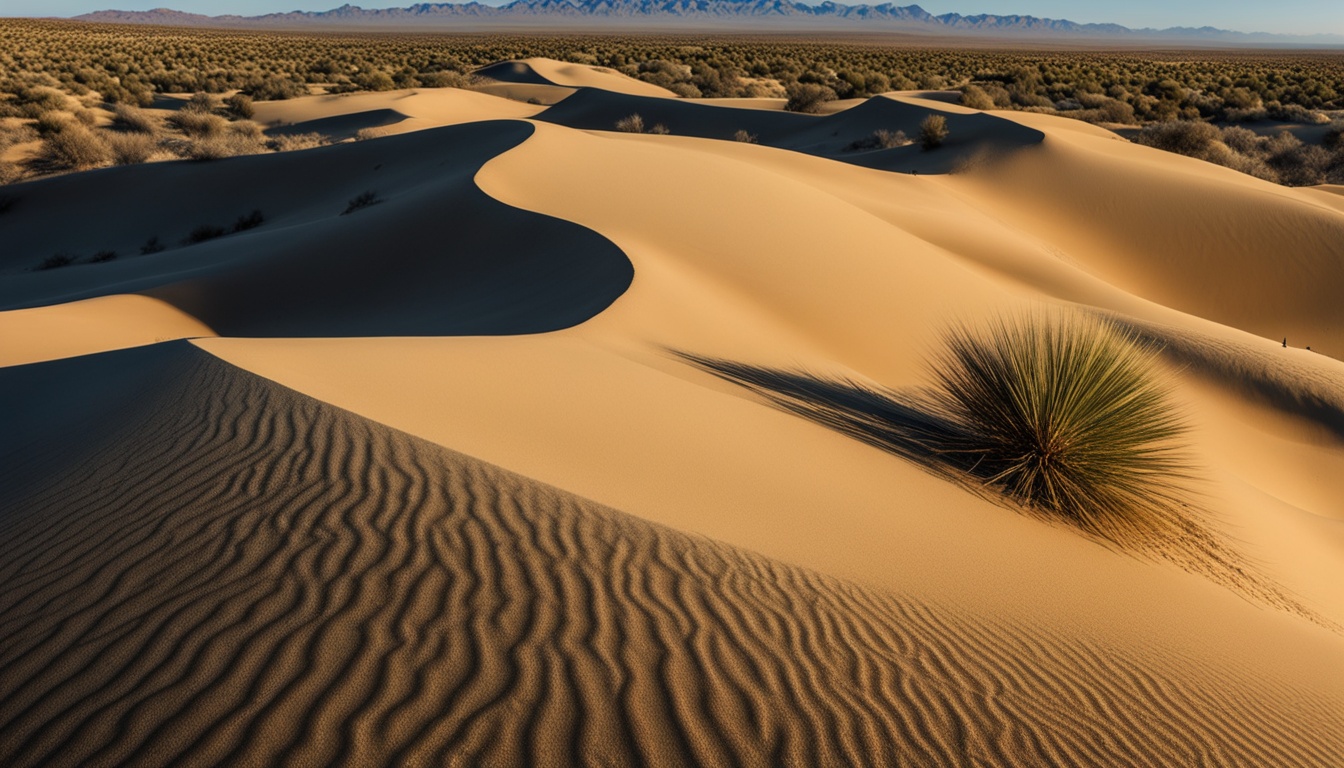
247, 576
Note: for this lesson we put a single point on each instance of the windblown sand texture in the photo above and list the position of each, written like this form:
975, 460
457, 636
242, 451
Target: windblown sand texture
436, 481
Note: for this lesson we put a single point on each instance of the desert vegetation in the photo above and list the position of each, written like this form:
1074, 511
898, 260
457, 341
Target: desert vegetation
74, 68
932, 132
361, 201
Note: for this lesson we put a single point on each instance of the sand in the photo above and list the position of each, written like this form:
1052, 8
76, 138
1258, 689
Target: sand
432, 482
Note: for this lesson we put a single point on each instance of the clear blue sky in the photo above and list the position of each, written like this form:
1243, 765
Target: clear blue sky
1284, 16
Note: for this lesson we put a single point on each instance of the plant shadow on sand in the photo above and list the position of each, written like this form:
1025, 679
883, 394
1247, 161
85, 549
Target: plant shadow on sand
1064, 420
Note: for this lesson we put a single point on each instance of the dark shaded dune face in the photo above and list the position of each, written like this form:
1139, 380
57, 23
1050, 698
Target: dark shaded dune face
236, 574
341, 126
831, 136
435, 256
512, 72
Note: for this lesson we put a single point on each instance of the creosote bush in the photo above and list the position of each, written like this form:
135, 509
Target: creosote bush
744, 137
203, 233
56, 261
250, 221
1068, 416
152, 245
74, 147
932, 132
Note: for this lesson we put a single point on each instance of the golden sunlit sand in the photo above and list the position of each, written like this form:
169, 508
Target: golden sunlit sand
437, 479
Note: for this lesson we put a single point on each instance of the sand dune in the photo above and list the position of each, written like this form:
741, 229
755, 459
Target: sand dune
540, 71
436, 482
831, 136
310, 269
321, 589
389, 112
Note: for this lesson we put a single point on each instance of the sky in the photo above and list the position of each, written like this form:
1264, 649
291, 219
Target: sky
1279, 16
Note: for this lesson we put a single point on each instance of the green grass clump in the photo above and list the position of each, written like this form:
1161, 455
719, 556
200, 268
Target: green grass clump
1068, 417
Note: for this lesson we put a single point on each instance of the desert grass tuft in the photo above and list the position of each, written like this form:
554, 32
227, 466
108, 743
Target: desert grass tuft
1068, 416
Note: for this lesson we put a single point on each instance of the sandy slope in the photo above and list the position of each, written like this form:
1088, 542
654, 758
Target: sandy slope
539, 71
387, 112
316, 588
937, 625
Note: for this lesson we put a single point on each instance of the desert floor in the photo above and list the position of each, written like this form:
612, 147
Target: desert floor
444, 480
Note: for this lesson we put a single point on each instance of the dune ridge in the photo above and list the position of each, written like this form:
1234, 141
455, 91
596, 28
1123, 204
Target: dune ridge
433, 256
251, 576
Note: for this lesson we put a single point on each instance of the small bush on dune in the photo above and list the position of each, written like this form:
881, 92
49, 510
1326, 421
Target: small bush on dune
1067, 417
932, 132
1192, 138
744, 137
56, 261
152, 245
250, 221
203, 233
9, 173
659, 129
880, 139
362, 200
298, 141
808, 98
241, 138
274, 88
630, 124
102, 257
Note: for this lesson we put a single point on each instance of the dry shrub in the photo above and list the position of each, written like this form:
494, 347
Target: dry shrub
975, 97
630, 124
298, 141
131, 148
364, 134
134, 120
659, 129
74, 147
198, 124
224, 145
808, 98
932, 132
200, 102
9, 173
744, 137
240, 106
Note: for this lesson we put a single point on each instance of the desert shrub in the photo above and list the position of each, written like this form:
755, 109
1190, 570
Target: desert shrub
1241, 140
1302, 165
197, 123
364, 134
744, 137
9, 173
932, 132
224, 141
131, 148
134, 120
1067, 416
659, 129
203, 233
199, 102
446, 79
808, 98
880, 139
630, 124
152, 245
240, 106
250, 221
274, 88
376, 80
51, 123
102, 257
974, 96
56, 261
360, 201
1182, 137
297, 141
74, 147
37, 101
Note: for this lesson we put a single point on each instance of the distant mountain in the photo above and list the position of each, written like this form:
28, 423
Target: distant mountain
653, 13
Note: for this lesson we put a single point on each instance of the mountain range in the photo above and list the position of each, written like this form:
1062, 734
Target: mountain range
735, 13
